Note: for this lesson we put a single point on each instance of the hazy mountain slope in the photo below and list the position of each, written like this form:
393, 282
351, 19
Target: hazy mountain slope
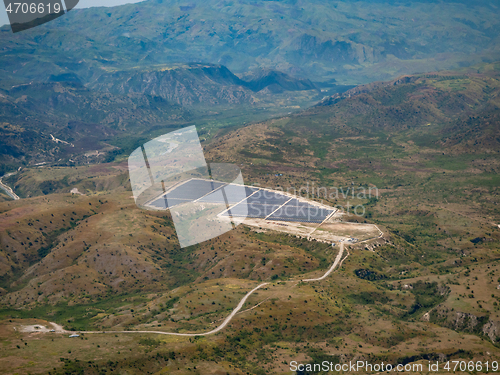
196, 84
183, 85
278, 82
59, 119
81, 120
454, 113
351, 41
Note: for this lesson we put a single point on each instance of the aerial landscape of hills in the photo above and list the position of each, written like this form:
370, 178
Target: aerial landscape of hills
398, 98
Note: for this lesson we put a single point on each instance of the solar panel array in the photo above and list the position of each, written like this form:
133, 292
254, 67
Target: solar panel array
244, 201
230, 193
187, 192
295, 210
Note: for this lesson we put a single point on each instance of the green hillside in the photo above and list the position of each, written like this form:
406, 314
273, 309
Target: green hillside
425, 290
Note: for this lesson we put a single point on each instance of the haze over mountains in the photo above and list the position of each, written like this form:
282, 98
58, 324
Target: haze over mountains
77, 95
118, 111
197, 84
176, 53
353, 42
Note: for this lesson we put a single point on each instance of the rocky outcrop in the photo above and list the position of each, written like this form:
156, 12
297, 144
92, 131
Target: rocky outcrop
465, 322
492, 330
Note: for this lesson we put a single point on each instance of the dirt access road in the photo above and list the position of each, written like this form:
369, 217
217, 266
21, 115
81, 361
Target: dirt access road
226, 321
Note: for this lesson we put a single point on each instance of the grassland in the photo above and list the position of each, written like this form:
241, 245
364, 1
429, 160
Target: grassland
426, 290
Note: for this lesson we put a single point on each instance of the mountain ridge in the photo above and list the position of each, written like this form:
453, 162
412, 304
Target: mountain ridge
195, 83
347, 41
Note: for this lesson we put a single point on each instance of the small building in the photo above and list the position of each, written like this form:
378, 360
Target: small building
74, 335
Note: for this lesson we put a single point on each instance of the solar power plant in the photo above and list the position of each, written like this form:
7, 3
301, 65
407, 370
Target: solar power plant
309, 216
162, 202
253, 210
186, 192
296, 203
233, 194
267, 197
248, 201
295, 210
194, 189
258, 205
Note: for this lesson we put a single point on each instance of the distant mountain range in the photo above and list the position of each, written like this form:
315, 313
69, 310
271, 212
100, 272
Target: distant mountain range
103, 73
129, 105
450, 112
32, 115
197, 84
353, 42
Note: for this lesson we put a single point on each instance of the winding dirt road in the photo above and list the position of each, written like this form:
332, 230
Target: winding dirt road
226, 321
335, 263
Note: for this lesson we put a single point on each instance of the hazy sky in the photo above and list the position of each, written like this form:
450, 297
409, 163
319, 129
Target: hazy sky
82, 4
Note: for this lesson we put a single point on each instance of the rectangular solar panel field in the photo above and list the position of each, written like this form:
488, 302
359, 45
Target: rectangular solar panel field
186, 192
309, 216
267, 197
250, 202
295, 210
163, 202
251, 210
296, 203
194, 189
234, 194
298, 206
